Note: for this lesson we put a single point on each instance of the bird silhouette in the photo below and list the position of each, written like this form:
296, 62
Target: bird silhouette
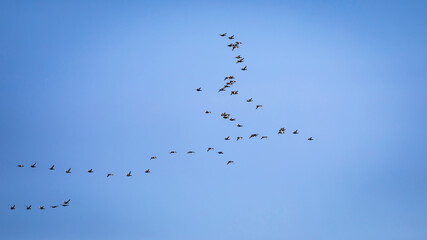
253, 135
238, 57
28, 207
221, 90
230, 162
223, 35
199, 89
231, 37
68, 201
258, 106
172, 152
210, 149
190, 152
55, 206
20, 165
227, 138
282, 131
41, 208
153, 158
240, 60
238, 125
239, 138
90, 171
249, 100
232, 119
33, 166
110, 174
52, 168
207, 112
129, 174
295, 132
310, 139
244, 68
147, 171
264, 137
220, 153
234, 92
65, 205
68, 171
12, 207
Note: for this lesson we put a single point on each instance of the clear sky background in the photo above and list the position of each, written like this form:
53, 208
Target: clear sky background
108, 84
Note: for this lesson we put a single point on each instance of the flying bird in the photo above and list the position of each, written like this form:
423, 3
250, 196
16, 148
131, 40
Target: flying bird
231, 37
28, 207
65, 205
310, 139
258, 106
230, 162
199, 89
264, 137
153, 158
238, 57
52, 168
238, 125
249, 100
221, 90
240, 60
232, 119
210, 149
239, 138
220, 153
227, 138
172, 152
90, 171
129, 174
295, 132
68, 171
281, 131
110, 174
41, 208
253, 135
12, 207
223, 35
147, 171
235, 46
54, 206
190, 152
33, 166
238, 43
230, 45
244, 68
207, 112
20, 165
234, 92
68, 201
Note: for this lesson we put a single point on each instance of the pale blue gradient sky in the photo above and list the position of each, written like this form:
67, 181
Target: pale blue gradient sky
106, 85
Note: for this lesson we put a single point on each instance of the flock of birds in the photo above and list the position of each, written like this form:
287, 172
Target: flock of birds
224, 115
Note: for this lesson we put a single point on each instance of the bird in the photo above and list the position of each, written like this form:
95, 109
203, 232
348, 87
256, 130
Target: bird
147, 171
235, 46
221, 89
54, 206
238, 42
238, 57
227, 138
264, 137
153, 158
65, 205
199, 89
68, 171
295, 132
244, 68
207, 112
234, 92
240, 60
129, 174
41, 208
33, 166
172, 152
52, 168
190, 152
232, 119
230, 162
310, 139
281, 131
68, 201
220, 153
223, 35
253, 135
231, 37
226, 116
230, 45
238, 125
210, 149
239, 138
28, 207
20, 165
12, 207
258, 106
249, 100
110, 174
90, 171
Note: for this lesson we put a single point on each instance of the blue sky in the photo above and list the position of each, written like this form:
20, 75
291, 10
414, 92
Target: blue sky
108, 84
